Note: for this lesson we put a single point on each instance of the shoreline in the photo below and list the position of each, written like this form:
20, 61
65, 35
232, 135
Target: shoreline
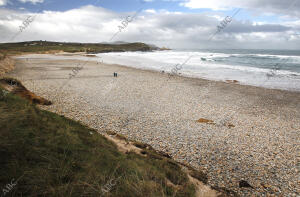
69, 56
233, 82
149, 107
256, 75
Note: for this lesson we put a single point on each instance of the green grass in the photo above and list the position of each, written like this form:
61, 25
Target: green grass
55, 156
43, 46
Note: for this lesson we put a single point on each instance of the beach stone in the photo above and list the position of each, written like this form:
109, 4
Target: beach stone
244, 183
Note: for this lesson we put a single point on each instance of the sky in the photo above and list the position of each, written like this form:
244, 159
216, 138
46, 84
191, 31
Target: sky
177, 24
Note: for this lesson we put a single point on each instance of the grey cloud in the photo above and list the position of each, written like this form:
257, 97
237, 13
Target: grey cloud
93, 24
281, 7
250, 28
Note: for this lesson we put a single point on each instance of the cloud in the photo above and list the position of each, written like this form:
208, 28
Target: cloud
286, 7
32, 1
3, 2
150, 11
175, 30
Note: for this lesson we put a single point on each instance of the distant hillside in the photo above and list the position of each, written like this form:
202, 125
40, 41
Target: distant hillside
116, 42
45, 46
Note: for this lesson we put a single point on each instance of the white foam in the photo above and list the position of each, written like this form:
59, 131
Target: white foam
208, 69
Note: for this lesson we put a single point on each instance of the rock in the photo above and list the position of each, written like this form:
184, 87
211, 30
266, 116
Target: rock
202, 120
232, 81
243, 183
229, 125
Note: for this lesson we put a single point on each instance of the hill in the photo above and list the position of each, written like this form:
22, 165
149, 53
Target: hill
45, 46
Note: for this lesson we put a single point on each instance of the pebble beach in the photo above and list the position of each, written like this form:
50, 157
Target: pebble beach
231, 132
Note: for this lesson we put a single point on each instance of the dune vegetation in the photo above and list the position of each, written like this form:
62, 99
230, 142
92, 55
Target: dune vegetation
44, 154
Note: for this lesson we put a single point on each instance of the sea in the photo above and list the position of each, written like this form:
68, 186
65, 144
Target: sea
274, 69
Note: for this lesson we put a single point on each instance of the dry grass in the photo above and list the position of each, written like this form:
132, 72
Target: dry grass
6, 64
